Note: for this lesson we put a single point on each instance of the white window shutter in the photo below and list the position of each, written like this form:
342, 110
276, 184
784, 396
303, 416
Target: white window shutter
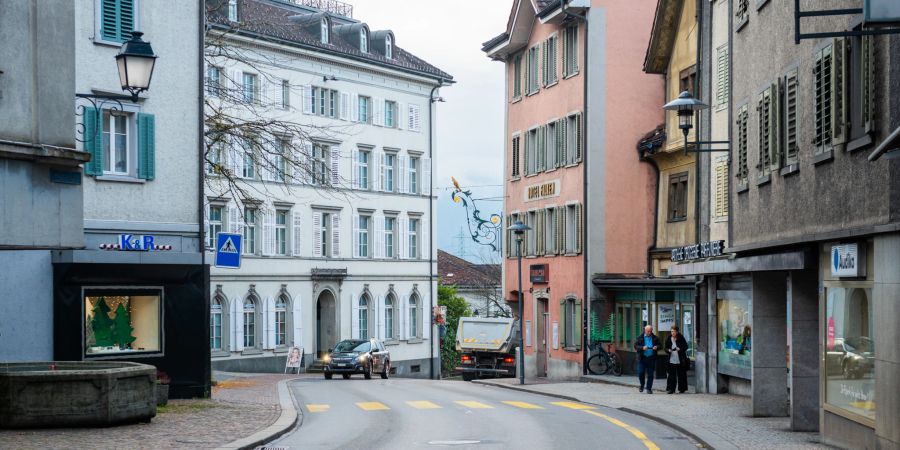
235, 221
335, 166
379, 312
306, 162
425, 234
316, 234
402, 113
379, 236
297, 168
402, 175
354, 107
404, 330
268, 229
418, 119
237, 84
344, 111
376, 167
297, 237
402, 241
235, 157
354, 168
237, 306
298, 320
426, 318
270, 322
355, 219
426, 176
264, 87
335, 235
306, 92
354, 318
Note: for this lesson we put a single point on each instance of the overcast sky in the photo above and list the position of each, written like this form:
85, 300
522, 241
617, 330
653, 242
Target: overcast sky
470, 123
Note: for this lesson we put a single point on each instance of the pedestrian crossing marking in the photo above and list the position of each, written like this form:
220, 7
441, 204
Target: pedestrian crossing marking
573, 405
523, 405
423, 404
473, 404
318, 408
634, 431
372, 406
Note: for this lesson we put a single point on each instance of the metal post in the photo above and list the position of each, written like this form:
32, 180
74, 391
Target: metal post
521, 314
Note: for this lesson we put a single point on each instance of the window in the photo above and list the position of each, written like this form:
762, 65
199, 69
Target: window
122, 321
215, 324
550, 58
413, 238
767, 114
117, 20
850, 350
413, 175
323, 31
248, 169
387, 175
388, 47
741, 137
214, 225
285, 94
281, 308
251, 88
363, 317
321, 174
678, 188
742, 12
573, 139
322, 231
232, 10
325, 102
530, 235
390, 230
364, 106
249, 323
116, 143
722, 85
570, 323
213, 81
516, 144
791, 148
249, 244
389, 317
215, 159
362, 236
551, 152
363, 41
283, 148
517, 77
570, 51
362, 167
572, 235
550, 236
390, 112
531, 70
281, 219
413, 316
687, 79
531, 143
540, 153
861, 84
822, 77
721, 194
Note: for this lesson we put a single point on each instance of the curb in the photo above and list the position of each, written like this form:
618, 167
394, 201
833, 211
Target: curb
290, 417
703, 443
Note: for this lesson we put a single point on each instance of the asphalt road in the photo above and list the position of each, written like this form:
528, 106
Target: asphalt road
404, 413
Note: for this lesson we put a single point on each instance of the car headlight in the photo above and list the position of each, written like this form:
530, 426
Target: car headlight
327, 358
363, 358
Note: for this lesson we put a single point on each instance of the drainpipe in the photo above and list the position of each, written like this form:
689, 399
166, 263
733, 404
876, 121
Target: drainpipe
432, 223
698, 70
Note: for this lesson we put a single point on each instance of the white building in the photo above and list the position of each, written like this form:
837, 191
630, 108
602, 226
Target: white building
343, 250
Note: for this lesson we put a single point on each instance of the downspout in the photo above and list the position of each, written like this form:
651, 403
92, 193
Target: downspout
698, 70
432, 223
730, 122
201, 181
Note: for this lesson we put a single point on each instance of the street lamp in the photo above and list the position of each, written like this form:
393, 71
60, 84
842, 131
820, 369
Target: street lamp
135, 61
686, 105
519, 230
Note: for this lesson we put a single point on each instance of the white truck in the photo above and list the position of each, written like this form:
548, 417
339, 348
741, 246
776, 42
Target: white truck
487, 347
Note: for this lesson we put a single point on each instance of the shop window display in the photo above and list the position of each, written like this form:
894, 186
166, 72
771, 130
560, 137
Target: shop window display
735, 337
117, 323
849, 350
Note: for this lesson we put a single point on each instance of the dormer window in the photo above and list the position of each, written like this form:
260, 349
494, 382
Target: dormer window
388, 47
363, 41
324, 32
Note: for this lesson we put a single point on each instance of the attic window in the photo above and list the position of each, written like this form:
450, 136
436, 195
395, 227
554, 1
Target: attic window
324, 31
388, 47
363, 41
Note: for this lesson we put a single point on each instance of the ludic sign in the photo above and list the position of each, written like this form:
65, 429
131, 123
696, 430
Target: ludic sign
698, 251
539, 273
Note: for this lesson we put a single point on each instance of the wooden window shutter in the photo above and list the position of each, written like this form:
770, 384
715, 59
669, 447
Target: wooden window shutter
317, 234
722, 76
93, 140
579, 133
578, 323
296, 237
775, 134
563, 341
868, 83
561, 230
146, 146
579, 228
335, 235
117, 20
790, 118
721, 189
839, 81
564, 57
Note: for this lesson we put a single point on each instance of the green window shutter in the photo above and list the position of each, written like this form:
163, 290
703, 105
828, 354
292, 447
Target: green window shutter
146, 146
722, 76
579, 229
777, 117
790, 117
117, 19
565, 52
561, 230
839, 104
562, 324
574, 48
93, 140
579, 325
868, 83
579, 133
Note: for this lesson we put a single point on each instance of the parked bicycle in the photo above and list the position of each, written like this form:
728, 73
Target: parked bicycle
604, 360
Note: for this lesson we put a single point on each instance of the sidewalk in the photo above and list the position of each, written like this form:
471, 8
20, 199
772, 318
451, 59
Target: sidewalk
242, 405
720, 421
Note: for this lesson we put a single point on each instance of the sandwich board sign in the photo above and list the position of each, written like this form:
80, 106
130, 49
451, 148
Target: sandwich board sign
228, 250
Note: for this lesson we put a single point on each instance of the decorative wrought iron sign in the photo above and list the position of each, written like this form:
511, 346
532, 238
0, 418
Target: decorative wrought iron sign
483, 231
698, 251
540, 273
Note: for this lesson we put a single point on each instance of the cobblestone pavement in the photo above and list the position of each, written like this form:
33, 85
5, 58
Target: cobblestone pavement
723, 421
241, 405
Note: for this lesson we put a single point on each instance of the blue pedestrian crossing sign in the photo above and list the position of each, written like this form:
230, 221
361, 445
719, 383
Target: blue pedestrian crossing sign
228, 250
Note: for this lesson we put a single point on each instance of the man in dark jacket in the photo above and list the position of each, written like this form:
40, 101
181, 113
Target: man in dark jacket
677, 365
646, 346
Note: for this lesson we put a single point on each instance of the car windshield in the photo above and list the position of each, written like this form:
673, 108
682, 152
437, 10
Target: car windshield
352, 346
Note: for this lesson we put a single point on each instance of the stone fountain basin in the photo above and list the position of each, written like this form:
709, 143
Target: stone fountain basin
76, 394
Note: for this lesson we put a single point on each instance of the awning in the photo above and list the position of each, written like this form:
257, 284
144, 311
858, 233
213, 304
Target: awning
758, 263
890, 145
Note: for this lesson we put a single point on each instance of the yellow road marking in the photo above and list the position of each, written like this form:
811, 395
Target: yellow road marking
423, 404
317, 408
634, 431
474, 405
372, 406
573, 405
523, 405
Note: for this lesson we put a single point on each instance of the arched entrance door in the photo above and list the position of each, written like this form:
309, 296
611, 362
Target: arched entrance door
326, 326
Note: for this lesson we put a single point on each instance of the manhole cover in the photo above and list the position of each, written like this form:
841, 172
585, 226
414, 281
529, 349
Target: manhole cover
456, 442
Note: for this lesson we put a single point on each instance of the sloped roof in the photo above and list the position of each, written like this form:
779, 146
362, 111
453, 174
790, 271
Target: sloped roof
662, 36
271, 19
455, 271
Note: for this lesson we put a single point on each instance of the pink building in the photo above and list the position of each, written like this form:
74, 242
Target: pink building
577, 101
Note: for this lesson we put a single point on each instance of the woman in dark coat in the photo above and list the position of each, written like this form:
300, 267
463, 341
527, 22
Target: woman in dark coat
677, 363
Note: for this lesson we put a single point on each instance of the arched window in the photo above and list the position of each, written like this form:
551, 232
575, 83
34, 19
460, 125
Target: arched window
363, 40
215, 324
249, 323
363, 317
413, 316
388, 47
281, 323
324, 32
389, 317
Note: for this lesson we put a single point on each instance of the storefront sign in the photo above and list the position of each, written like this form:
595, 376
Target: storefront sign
542, 191
698, 251
845, 261
540, 273
135, 243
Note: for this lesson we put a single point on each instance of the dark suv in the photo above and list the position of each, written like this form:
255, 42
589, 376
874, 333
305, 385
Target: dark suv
358, 356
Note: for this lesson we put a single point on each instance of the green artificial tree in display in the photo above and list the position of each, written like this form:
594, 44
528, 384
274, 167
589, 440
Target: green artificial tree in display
122, 329
102, 325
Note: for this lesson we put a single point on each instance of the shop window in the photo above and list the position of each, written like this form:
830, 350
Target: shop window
122, 322
850, 351
735, 337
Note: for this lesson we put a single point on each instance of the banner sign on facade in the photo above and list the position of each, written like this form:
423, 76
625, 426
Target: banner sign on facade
845, 261
698, 251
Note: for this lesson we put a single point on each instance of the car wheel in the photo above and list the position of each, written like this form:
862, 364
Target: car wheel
386, 370
468, 376
328, 376
346, 376
367, 372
